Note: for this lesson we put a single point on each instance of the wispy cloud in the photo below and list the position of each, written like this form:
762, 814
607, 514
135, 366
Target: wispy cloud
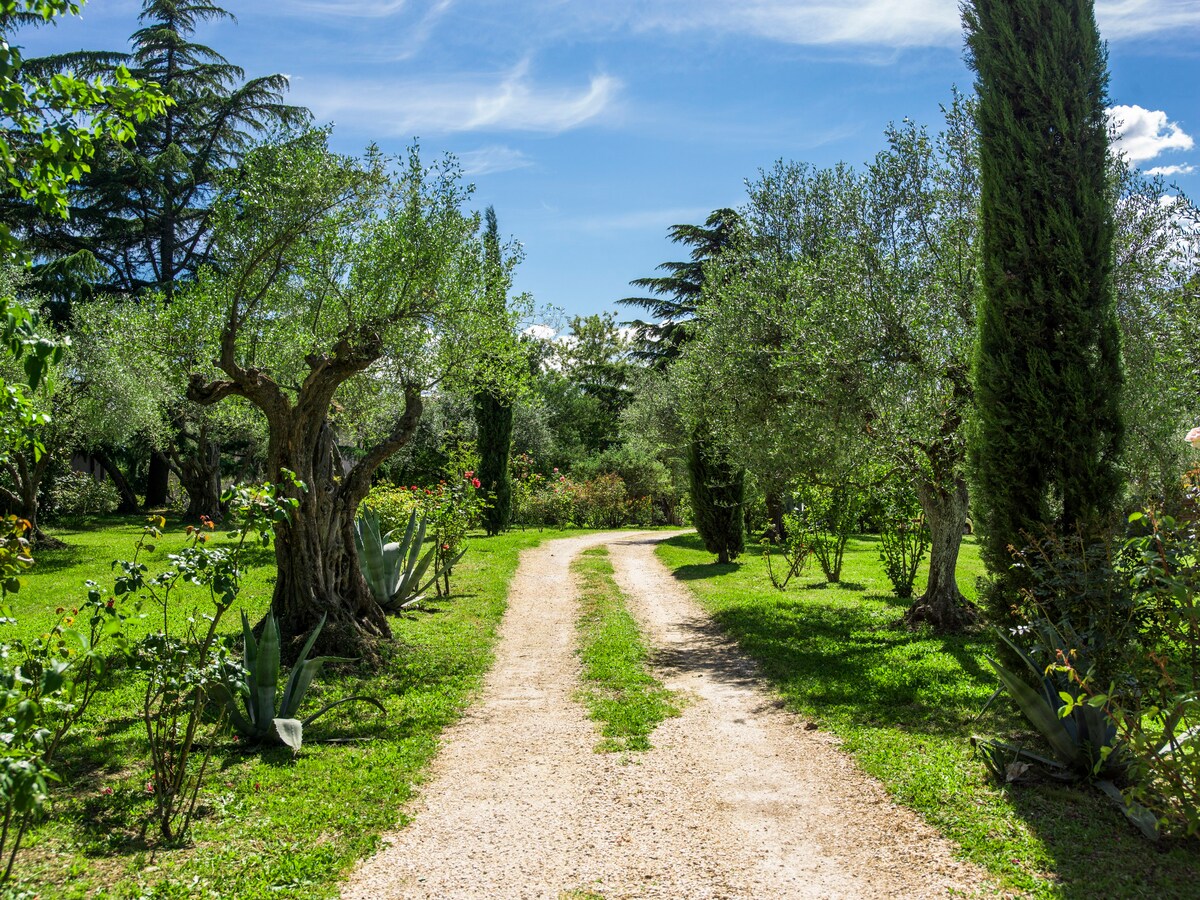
418, 106
360, 9
1144, 134
861, 23
492, 159
1169, 171
1140, 18
643, 220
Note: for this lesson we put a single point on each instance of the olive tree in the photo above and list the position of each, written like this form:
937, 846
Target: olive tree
339, 279
844, 324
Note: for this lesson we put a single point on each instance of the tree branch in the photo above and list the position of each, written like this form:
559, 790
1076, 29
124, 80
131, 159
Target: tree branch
358, 481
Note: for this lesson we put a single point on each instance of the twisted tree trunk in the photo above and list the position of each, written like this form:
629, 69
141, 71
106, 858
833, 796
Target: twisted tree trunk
199, 471
318, 576
942, 605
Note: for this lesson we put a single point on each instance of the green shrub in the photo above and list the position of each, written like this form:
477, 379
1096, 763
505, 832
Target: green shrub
79, 494
903, 537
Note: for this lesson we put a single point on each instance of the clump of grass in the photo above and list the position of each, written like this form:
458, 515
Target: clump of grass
620, 689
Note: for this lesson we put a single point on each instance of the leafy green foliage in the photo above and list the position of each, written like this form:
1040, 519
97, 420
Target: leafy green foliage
53, 124
902, 545
718, 488
827, 516
184, 670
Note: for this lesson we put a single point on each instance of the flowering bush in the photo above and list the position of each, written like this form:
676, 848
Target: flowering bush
558, 500
450, 510
601, 502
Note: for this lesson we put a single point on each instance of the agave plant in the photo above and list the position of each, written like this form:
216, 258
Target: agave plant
394, 570
1080, 733
251, 699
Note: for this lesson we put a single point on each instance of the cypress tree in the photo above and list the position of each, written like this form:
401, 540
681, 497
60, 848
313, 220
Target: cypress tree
1047, 369
494, 413
717, 491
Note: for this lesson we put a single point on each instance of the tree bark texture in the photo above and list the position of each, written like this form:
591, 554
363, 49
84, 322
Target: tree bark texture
196, 460
158, 481
942, 605
318, 575
129, 501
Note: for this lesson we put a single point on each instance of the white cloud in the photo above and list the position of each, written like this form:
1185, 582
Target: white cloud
908, 24
492, 159
1141, 18
865, 23
1144, 134
1168, 171
416, 106
541, 332
362, 9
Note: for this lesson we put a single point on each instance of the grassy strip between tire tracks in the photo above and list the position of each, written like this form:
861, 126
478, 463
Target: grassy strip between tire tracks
270, 825
903, 703
620, 691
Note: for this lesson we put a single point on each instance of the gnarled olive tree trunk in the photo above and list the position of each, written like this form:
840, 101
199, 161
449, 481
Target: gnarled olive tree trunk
942, 605
198, 466
318, 573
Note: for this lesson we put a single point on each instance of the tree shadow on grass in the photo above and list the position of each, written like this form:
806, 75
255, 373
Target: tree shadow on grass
53, 560
834, 660
1090, 843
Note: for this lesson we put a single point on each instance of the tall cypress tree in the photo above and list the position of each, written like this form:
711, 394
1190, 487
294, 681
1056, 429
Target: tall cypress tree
1047, 367
717, 492
493, 412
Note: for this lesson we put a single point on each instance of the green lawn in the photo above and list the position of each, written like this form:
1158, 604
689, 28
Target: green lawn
619, 688
903, 703
271, 825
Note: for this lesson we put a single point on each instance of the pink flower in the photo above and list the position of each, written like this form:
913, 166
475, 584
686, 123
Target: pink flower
149, 787
1193, 437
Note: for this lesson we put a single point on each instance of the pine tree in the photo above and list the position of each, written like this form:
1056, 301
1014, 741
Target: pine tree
677, 294
717, 491
494, 413
716, 485
140, 220
1047, 369
142, 212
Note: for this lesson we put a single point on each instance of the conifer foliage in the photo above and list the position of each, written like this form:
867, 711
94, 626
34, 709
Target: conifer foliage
494, 413
1047, 370
718, 491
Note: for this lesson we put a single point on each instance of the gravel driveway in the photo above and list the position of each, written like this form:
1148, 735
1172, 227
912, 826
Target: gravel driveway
737, 798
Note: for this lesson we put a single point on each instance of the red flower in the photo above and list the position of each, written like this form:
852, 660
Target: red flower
475, 482
110, 603
106, 791
149, 787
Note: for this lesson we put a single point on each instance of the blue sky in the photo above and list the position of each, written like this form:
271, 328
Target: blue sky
593, 126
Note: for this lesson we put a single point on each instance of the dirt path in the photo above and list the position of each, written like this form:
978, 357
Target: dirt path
736, 800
